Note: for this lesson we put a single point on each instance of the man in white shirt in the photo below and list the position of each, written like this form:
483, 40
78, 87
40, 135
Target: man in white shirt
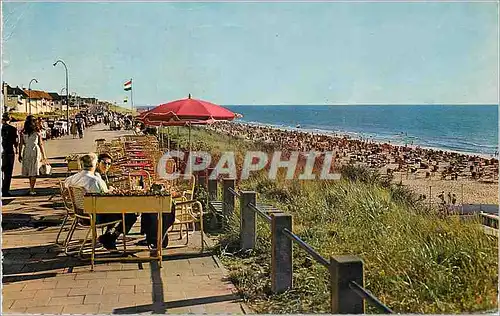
95, 184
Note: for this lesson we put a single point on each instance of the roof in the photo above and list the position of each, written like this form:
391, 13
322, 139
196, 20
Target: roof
37, 94
55, 96
15, 91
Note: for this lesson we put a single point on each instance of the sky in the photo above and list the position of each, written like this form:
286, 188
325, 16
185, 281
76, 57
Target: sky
258, 53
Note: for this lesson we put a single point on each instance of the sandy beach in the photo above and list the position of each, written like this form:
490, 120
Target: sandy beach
459, 177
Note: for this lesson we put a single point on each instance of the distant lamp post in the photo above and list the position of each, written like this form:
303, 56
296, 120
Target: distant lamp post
67, 92
63, 89
29, 93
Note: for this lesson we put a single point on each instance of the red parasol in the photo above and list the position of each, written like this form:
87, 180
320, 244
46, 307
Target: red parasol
187, 110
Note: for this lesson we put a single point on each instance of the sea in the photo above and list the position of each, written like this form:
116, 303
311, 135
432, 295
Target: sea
469, 129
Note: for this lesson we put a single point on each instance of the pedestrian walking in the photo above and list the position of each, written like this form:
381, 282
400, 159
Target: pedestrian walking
74, 130
79, 126
9, 151
31, 152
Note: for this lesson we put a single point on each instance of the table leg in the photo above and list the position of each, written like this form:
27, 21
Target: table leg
124, 235
94, 236
160, 237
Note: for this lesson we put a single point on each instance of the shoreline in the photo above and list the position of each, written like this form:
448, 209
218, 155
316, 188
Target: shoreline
371, 140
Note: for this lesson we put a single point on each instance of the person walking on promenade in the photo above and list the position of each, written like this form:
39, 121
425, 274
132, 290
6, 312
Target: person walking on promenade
74, 130
31, 152
9, 151
79, 126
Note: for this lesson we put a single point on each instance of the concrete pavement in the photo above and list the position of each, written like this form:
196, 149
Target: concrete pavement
39, 278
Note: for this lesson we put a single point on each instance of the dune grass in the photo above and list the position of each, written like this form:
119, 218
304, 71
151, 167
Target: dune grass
416, 260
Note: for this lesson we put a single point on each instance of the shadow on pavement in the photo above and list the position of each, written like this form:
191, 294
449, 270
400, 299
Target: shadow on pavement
12, 221
39, 192
164, 306
183, 256
39, 261
24, 277
50, 176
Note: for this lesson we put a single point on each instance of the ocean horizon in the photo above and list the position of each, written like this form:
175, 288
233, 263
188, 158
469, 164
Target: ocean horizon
470, 129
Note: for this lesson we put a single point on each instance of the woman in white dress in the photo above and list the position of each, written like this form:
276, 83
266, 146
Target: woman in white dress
31, 152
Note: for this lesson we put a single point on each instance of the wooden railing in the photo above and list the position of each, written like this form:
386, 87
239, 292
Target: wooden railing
347, 291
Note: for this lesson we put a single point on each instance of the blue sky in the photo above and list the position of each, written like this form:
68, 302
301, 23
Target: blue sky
258, 53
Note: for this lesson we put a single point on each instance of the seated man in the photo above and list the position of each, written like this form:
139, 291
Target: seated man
94, 184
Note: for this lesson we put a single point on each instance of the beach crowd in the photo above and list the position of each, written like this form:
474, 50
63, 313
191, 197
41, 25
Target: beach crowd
387, 158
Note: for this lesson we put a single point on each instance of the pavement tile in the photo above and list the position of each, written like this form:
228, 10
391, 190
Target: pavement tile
68, 300
123, 289
52, 293
38, 301
61, 277
39, 285
16, 310
7, 303
179, 310
137, 281
107, 299
44, 310
137, 299
108, 308
224, 307
128, 274
85, 291
89, 275
15, 295
81, 309
65, 284
111, 266
12, 286
103, 282
173, 295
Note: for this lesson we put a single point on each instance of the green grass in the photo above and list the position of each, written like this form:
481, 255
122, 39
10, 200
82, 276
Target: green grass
120, 109
416, 261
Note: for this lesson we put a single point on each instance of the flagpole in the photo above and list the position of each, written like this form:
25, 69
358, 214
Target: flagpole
131, 96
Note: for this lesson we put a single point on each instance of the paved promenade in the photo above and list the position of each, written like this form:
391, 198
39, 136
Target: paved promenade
38, 278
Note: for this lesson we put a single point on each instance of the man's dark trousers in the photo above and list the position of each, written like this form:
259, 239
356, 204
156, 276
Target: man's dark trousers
7, 168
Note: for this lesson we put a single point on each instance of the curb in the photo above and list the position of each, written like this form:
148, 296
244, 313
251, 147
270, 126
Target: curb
244, 308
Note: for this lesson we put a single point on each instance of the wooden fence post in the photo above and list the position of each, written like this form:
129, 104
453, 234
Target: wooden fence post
343, 270
202, 179
227, 200
248, 224
212, 190
281, 256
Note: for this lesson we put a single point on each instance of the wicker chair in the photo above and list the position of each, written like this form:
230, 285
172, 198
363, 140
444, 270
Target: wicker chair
70, 215
186, 214
77, 195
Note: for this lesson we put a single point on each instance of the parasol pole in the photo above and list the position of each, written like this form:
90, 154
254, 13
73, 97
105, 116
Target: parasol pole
168, 138
189, 139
